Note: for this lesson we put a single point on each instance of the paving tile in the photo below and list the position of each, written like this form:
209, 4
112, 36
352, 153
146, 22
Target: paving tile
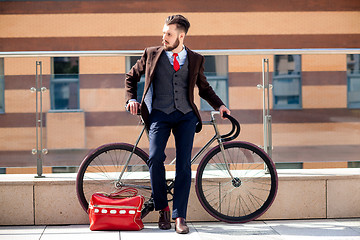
224, 231
313, 229
353, 223
151, 231
77, 232
21, 232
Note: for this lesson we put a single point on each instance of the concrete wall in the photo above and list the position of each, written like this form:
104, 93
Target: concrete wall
302, 194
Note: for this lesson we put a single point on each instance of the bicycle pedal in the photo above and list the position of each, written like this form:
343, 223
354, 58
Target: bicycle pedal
148, 207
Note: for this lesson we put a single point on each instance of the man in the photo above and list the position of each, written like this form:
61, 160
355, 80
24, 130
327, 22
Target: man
171, 72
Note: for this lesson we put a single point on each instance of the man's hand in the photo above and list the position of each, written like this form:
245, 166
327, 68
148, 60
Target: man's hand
223, 109
133, 107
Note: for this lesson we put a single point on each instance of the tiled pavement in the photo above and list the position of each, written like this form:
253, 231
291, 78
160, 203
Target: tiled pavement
321, 229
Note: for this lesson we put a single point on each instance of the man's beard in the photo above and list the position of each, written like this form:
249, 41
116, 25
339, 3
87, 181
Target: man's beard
172, 47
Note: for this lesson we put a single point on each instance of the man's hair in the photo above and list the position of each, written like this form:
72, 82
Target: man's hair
181, 22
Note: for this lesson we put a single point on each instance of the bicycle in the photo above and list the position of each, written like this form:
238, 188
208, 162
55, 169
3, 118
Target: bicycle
236, 181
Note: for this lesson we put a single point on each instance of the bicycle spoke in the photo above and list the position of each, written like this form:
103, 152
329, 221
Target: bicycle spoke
100, 172
246, 194
245, 212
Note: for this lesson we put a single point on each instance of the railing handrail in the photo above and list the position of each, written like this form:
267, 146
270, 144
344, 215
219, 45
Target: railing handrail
204, 52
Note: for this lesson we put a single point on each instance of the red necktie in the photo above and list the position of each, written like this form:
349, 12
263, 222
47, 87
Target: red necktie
176, 63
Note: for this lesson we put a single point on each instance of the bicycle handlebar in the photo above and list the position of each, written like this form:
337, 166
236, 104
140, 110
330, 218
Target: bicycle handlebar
127, 110
226, 137
235, 128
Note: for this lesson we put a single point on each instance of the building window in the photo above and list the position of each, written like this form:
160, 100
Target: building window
216, 72
130, 61
287, 82
2, 86
65, 83
353, 80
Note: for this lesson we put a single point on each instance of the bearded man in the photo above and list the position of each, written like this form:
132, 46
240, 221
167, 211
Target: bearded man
171, 73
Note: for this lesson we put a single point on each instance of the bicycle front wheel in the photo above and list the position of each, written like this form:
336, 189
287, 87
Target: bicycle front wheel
105, 170
237, 185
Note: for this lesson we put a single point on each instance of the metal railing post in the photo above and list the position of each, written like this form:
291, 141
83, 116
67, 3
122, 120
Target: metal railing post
267, 116
39, 151
267, 121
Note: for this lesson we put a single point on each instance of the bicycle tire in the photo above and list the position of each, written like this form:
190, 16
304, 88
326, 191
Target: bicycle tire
100, 171
246, 196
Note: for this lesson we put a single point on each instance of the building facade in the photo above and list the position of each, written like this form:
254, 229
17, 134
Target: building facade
315, 100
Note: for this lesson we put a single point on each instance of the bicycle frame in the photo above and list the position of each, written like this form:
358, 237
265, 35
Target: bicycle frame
217, 137
229, 182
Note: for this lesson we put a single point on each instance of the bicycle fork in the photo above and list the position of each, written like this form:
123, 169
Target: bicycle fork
221, 144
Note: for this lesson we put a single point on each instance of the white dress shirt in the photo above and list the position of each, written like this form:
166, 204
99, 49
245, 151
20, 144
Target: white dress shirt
181, 56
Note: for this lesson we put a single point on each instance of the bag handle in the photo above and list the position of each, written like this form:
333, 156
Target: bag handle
124, 193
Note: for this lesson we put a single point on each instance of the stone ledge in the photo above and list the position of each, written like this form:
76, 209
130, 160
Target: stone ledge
302, 194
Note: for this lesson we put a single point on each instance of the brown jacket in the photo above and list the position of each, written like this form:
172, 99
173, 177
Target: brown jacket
146, 65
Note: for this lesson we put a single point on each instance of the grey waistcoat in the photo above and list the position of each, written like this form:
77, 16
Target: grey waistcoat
170, 87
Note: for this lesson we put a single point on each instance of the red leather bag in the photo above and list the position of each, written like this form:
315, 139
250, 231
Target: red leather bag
116, 211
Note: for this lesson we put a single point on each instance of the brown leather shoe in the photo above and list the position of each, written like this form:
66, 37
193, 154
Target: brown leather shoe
180, 226
164, 220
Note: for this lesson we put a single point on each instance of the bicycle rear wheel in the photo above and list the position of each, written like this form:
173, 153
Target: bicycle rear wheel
101, 169
243, 195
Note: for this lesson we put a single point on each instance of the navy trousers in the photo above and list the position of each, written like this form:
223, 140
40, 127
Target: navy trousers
183, 128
